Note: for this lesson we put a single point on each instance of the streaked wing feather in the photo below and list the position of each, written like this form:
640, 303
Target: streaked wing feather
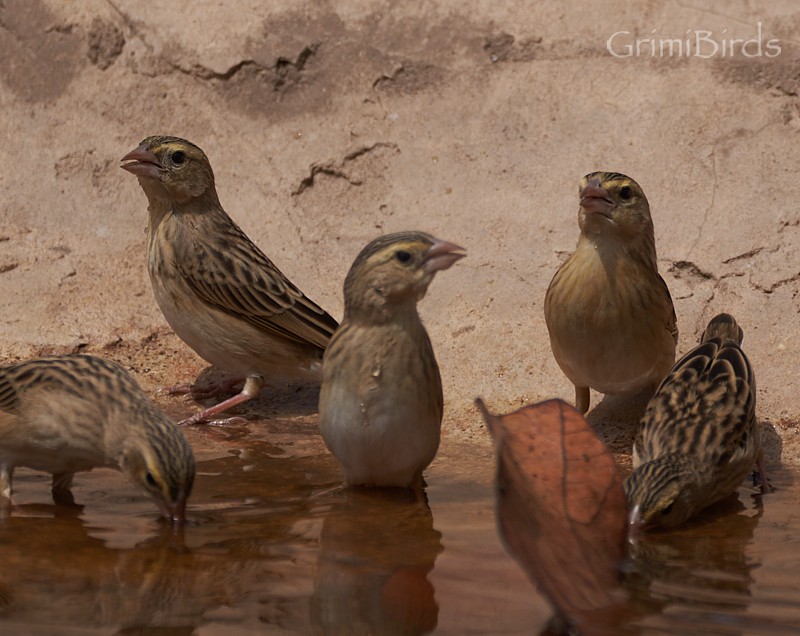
673, 321
717, 381
268, 300
9, 399
731, 365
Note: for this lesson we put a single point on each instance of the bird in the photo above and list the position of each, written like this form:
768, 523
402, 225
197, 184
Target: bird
698, 438
71, 413
609, 314
381, 402
217, 290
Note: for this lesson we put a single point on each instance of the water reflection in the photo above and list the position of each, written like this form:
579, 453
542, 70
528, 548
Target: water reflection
65, 576
275, 546
700, 574
272, 543
377, 548
112, 563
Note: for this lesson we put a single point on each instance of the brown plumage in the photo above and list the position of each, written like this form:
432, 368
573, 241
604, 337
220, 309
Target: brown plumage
67, 414
608, 311
381, 399
216, 288
698, 438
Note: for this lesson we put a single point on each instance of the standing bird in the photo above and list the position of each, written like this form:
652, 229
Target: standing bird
609, 313
217, 290
381, 402
698, 438
67, 414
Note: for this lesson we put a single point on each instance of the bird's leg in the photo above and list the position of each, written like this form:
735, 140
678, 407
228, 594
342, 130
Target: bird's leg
418, 487
62, 482
252, 387
582, 398
201, 393
766, 485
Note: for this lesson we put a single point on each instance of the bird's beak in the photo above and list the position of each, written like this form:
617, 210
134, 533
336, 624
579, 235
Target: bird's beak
177, 511
635, 523
143, 163
174, 511
595, 199
442, 255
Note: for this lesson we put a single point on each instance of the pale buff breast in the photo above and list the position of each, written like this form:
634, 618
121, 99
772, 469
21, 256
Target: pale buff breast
609, 327
378, 415
220, 338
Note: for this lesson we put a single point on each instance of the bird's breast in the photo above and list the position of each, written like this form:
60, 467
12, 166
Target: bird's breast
380, 403
609, 322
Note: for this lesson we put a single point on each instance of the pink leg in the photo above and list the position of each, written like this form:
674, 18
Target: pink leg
202, 393
252, 387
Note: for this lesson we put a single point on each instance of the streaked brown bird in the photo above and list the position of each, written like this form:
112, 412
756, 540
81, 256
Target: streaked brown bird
67, 414
381, 401
218, 291
698, 438
608, 311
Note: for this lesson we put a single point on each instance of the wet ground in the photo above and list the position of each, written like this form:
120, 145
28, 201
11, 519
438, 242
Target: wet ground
275, 546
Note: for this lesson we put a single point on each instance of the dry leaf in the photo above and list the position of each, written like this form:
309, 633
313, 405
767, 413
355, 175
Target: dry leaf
561, 506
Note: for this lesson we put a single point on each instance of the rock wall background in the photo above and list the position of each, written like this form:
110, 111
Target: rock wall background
329, 123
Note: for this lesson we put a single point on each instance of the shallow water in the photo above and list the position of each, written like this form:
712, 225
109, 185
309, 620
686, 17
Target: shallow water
274, 546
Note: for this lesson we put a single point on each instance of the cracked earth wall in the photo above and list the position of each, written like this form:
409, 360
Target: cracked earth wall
328, 123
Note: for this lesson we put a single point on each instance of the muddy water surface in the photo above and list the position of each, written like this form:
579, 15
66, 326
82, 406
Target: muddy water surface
275, 546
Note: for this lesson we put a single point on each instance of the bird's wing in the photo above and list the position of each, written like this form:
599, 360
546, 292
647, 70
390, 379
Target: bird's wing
731, 367
434, 378
706, 401
9, 398
243, 282
673, 321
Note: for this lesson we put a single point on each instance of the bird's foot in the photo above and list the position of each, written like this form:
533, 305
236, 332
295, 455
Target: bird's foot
226, 387
202, 418
760, 479
177, 389
251, 389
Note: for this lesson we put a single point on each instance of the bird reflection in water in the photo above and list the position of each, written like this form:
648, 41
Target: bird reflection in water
59, 571
699, 573
377, 548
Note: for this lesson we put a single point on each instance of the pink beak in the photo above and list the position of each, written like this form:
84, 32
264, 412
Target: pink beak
595, 199
143, 163
442, 255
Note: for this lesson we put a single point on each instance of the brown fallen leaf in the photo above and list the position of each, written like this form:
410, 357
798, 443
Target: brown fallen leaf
561, 509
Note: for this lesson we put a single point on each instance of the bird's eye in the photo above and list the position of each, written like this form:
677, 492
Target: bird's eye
403, 256
151, 481
625, 193
178, 157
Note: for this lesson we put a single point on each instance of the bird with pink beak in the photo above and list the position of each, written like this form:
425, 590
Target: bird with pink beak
218, 291
609, 313
381, 401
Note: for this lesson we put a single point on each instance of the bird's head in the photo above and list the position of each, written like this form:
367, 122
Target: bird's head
613, 204
724, 327
396, 269
660, 494
161, 462
171, 167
